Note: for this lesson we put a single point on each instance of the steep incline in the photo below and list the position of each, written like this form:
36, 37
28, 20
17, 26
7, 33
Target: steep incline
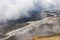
45, 27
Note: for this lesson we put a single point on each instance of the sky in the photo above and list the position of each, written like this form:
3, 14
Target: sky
15, 9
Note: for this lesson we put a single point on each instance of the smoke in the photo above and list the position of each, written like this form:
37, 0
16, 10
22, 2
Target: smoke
49, 4
15, 9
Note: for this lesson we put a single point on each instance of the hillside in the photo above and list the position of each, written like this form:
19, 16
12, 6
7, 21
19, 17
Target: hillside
46, 23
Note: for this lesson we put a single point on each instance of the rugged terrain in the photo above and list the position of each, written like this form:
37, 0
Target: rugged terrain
45, 23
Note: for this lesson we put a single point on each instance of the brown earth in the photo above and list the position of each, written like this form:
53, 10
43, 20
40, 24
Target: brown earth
55, 37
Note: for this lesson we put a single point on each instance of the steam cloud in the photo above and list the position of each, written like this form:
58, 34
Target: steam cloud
15, 9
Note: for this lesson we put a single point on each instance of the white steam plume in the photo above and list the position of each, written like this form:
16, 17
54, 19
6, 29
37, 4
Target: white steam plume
50, 4
15, 9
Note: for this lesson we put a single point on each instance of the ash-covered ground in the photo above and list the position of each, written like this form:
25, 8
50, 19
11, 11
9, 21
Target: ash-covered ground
43, 23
